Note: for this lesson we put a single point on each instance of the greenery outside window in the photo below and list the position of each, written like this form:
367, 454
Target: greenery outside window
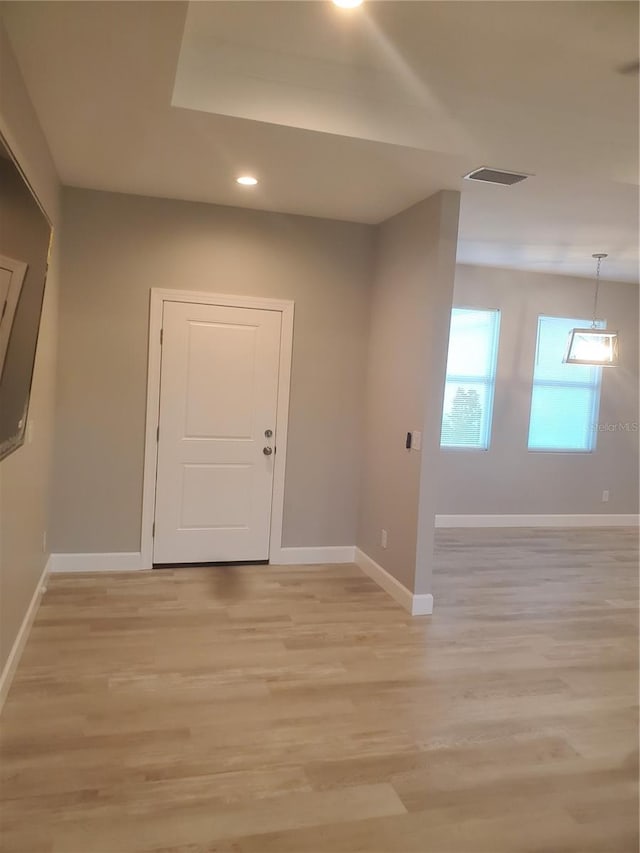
471, 378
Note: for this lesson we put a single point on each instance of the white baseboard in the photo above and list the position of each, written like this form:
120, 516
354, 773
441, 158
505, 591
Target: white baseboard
416, 605
20, 641
114, 562
602, 520
312, 556
132, 562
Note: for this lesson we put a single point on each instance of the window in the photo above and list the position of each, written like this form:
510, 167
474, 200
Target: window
565, 397
471, 377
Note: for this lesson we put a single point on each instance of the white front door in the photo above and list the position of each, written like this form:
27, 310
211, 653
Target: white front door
216, 442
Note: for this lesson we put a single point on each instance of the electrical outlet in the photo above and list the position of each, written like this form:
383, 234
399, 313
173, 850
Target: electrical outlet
383, 538
44, 541
605, 496
416, 440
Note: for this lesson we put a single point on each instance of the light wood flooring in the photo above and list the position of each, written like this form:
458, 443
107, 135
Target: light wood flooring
300, 710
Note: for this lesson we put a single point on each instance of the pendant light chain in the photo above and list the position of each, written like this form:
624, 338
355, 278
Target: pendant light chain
599, 258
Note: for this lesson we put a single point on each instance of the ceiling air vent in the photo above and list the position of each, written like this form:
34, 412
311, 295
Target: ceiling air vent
495, 176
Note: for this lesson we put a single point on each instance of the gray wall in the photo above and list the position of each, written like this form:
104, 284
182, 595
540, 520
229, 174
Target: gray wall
25, 476
508, 478
117, 247
411, 305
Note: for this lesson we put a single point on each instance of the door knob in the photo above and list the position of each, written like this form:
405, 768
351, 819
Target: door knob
267, 451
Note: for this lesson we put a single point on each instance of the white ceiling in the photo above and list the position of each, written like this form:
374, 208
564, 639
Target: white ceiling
355, 114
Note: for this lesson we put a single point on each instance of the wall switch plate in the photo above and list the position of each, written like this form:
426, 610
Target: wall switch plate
605, 496
383, 538
416, 440
44, 541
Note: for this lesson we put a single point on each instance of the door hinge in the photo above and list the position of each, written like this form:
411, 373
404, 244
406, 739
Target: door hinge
161, 336
153, 531
157, 434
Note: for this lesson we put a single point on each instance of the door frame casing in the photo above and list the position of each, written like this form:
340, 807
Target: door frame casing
158, 297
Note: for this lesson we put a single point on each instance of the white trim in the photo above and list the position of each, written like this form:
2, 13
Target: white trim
313, 556
157, 298
116, 562
20, 641
602, 520
133, 562
416, 605
422, 604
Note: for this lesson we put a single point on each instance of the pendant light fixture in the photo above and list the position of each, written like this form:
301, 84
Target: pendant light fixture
593, 346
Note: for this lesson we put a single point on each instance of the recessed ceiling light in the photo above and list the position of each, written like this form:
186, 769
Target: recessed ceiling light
247, 180
347, 4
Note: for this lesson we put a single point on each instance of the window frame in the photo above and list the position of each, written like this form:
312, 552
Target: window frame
489, 381
596, 387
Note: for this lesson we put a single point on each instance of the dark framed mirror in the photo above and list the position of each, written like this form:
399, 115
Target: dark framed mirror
25, 242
